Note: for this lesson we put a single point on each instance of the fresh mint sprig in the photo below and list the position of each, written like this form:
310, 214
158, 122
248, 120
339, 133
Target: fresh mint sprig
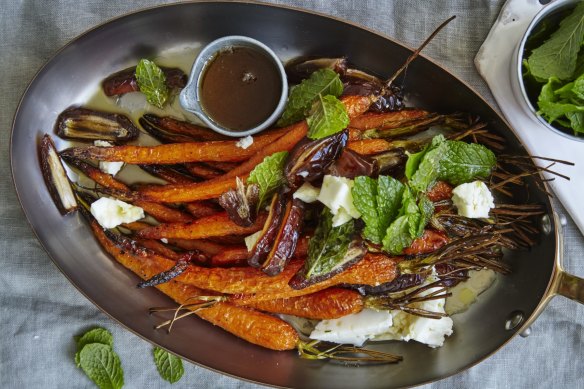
152, 82
268, 175
169, 366
96, 357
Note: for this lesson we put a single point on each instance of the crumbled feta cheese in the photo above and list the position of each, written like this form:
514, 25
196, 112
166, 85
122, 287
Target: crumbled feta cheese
244, 143
335, 193
307, 193
408, 327
108, 167
353, 329
164, 240
251, 240
110, 213
473, 200
466, 292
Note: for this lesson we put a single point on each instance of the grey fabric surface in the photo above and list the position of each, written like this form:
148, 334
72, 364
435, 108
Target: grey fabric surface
40, 311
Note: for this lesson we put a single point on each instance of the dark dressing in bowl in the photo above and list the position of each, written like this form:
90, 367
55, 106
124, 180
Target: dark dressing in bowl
240, 88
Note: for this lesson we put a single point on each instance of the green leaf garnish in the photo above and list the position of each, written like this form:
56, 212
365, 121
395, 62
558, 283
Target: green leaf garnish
557, 57
378, 201
95, 335
329, 244
268, 175
322, 82
152, 82
327, 117
169, 366
453, 161
102, 365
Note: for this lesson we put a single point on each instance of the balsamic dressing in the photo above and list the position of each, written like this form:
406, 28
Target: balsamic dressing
240, 88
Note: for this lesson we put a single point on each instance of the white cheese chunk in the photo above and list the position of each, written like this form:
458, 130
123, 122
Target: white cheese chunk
353, 329
251, 240
244, 143
335, 193
108, 167
110, 213
408, 327
473, 200
465, 293
307, 193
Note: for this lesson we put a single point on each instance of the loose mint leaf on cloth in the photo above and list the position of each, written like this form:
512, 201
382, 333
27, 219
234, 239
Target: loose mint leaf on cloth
152, 82
463, 162
169, 366
95, 335
102, 365
557, 57
378, 201
329, 244
327, 117
268, 175
322, 82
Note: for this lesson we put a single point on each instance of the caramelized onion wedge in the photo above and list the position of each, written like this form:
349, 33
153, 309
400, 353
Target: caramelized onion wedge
124, 81
354, 254
286, 239
266, 240
309, 159
55, 176
87, 124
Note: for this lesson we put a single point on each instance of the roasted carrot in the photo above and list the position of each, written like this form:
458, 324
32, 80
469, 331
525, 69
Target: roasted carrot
231, 256
246, 323
373, 269
160, 212
214, 188
387, 120
159, 248
214, 225
176, 126
356, 105
168, 174
176, 152
202, 208
205, 246
431, 241
329, 303
440, 191
369, 146
202, 170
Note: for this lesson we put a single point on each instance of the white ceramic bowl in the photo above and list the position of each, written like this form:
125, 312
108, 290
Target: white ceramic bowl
517, 84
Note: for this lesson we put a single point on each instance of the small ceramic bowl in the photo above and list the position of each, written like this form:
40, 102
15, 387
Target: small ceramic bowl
527, 100
190, 96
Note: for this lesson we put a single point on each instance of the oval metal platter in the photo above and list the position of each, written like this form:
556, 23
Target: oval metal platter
75, 73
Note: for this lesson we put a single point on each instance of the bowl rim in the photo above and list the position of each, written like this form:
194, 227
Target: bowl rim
548, 9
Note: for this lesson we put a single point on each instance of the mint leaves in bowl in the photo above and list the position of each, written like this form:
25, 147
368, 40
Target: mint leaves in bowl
550, 67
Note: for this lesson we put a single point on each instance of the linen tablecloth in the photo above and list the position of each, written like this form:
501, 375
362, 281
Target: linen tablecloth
40, 311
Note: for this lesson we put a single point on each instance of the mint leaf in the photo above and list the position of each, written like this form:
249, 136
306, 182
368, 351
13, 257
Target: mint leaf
557, 57
398, 236
169, 366
322, 82
328, 246
268, 175
102, 365
327, 117
428, 167
378, 201
463, 162
576, 121
95, 335
152, 82
426, 207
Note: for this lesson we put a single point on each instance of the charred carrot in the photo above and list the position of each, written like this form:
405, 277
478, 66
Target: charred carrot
160, 212
329, 303
356, 105
176, 152
369, 146
202, 170
214, 225
387, 120
202, 208
203, 245
246, 323
168, 174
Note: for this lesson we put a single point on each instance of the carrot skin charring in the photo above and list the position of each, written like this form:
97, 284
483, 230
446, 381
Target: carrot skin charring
392, 119
209, 226
202, 208
160, 212
248, 324
176, 152
329, 303
369, 146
